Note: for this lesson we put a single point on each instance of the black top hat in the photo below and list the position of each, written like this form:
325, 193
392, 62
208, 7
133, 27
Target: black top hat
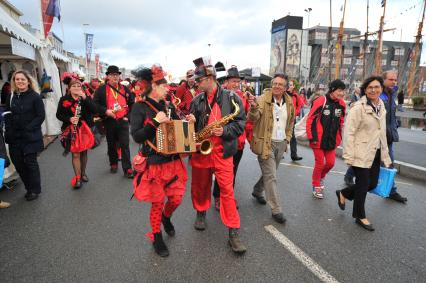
203, 68
113, 70
233, 73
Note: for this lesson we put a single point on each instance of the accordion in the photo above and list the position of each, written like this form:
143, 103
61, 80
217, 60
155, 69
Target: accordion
176, 136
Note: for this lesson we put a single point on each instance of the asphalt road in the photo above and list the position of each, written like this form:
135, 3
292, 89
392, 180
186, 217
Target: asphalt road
97, 235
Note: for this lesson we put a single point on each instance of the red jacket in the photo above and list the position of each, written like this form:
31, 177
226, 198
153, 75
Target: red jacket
297, 102
246, 104
185, 96
325, 122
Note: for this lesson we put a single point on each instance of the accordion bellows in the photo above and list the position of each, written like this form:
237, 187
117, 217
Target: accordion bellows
176, 136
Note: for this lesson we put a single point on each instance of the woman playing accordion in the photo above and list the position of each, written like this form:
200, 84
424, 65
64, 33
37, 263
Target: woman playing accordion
75, 111
163, 175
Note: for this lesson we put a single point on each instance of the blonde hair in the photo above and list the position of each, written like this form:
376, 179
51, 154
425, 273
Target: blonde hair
32, 82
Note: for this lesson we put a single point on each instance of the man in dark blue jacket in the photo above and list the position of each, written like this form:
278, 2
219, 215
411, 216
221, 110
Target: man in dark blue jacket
389, 96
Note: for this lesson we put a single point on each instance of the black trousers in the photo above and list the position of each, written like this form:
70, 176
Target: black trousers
293, 145
366, 180
237, 159
27, 167
117, 132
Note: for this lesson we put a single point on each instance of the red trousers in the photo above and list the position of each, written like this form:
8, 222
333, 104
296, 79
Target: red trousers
324, 161
201, 192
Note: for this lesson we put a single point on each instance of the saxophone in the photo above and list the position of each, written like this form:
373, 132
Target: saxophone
202, 140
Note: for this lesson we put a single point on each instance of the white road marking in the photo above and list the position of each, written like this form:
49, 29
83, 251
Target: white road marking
301, 256
332, 171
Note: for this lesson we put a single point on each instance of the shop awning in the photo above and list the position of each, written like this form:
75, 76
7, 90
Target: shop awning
59, 56
9, 25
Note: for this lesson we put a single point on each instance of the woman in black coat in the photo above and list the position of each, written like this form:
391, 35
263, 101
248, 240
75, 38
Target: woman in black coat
24, 116
75, 111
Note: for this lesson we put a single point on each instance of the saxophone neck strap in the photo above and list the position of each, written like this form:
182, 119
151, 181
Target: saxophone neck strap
148, 142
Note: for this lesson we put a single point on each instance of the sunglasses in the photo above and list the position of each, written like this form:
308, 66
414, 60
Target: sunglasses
199, 80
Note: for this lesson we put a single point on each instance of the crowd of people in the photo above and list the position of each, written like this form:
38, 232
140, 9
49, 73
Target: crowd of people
233, 114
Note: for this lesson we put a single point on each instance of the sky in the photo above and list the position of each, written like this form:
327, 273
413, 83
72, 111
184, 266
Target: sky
129, 33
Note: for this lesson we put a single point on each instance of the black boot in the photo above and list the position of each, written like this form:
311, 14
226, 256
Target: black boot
200, 221
235, 242
159, 245
168, 226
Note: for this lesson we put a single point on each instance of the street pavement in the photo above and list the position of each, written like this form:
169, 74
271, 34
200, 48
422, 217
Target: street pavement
96, 234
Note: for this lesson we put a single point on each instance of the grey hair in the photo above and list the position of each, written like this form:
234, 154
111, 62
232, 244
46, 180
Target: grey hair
385, 73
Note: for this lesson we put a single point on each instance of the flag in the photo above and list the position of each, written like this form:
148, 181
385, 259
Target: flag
49, 10
97, 65
89, 44
53, 9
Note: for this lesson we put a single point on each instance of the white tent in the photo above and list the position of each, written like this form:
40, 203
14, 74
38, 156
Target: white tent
51, 125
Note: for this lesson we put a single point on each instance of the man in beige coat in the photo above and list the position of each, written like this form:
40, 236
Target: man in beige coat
273, 116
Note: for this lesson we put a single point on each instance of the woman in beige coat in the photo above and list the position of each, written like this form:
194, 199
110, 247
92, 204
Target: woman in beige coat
365, 147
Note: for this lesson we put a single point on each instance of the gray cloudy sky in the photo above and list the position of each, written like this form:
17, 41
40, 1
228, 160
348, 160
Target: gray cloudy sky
173, 33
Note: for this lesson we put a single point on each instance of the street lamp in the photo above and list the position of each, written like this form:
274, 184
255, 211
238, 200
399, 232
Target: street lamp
306, 61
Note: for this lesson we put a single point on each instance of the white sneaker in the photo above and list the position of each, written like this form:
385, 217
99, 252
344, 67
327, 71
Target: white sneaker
318, 192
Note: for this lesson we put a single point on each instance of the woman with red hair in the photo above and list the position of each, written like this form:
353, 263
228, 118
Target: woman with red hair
164, 175
75, 111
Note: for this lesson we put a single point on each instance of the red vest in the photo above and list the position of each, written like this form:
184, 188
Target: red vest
113, 97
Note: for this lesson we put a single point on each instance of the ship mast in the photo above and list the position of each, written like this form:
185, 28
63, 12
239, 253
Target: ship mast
339, 45
378, 59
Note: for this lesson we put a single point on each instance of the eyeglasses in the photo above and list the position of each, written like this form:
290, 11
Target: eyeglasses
377, 87
199, 80
114, 75
278, 84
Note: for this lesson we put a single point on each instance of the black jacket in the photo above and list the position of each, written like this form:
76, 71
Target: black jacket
66, 108
100, 100
233, 129
144, 127
23, 119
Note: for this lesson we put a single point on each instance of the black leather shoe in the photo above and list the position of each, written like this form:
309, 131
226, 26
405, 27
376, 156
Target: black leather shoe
159, 245
31, 196
260, 199
78, 185
279, 217
84, 178
349, 181
397, 197
200, 221
27, 194
296, 158
368, 227
341, 205
168, 226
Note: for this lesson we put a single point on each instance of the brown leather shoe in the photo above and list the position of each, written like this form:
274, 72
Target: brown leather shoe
4, 204
235, 241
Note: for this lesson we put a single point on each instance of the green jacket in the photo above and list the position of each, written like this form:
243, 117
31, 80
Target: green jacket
262, 118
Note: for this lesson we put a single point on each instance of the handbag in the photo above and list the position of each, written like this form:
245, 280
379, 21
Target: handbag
385, 183
300, 127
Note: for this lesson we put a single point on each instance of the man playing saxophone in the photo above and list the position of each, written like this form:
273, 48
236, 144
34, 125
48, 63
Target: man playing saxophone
216, 105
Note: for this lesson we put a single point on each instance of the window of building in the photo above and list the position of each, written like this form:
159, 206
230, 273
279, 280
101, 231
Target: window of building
347, 61
347, 51
394, 63
384, 62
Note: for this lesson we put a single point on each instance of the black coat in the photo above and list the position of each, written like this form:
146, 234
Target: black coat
233, 129
66, 108
100, 100
23, 119
144, 127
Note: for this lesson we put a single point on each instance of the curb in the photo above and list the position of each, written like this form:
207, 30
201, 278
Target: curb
404, 169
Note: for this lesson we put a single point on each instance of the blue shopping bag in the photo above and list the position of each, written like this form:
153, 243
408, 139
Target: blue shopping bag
386, 180
1, 172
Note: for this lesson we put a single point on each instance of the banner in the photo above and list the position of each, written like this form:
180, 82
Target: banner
49, 10
293, 52
278, 40
89, 45
97, 64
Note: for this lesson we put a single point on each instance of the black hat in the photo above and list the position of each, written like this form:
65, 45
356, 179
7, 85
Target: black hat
233, 73
336, 84
113, 70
